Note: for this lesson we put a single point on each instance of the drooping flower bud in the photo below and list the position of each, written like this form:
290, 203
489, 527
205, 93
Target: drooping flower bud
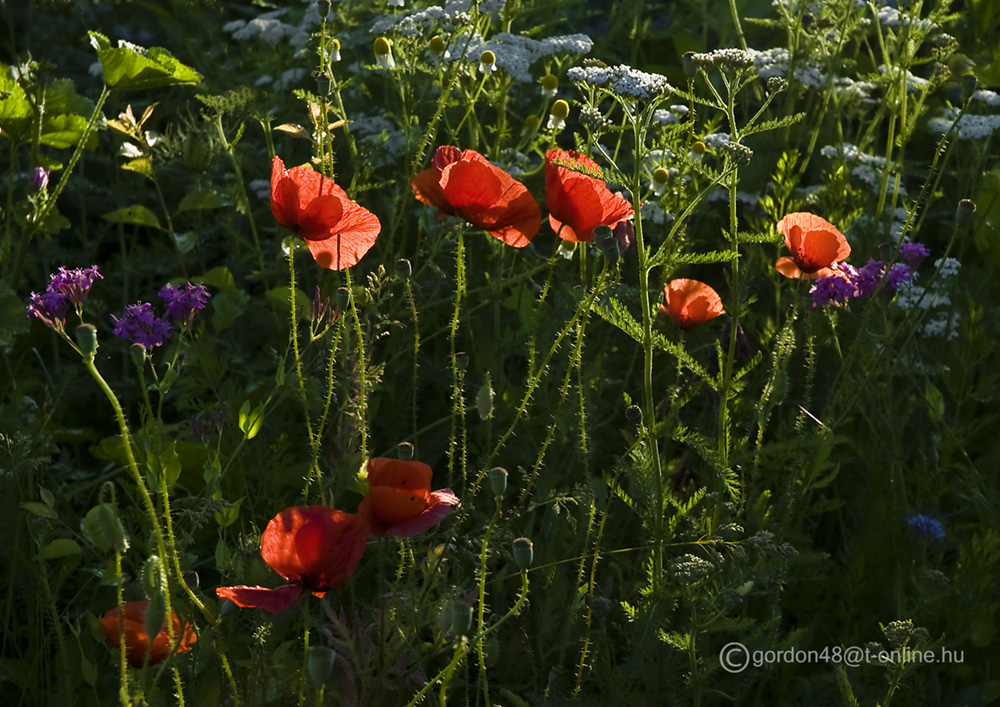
659, 182
549, 85
558, 115
383, 53
487, 62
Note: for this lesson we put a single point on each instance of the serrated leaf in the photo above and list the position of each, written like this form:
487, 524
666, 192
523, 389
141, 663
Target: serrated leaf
129, 67
65, 131
136, 214
198, 199
40, 509
58, 548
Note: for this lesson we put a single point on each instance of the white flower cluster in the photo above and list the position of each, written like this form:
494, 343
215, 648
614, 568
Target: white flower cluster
850, 90
990, 98
891, 17
674, 114
416, 22
379, 132
271, 29
652, 211
283, 82
913, 83
716, 139
970, 127
940, 323
621, 79
775, 62
949, 267
868, 168
515, 54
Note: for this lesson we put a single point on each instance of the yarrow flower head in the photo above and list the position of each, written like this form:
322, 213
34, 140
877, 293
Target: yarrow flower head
314, 548
815, 245
399, 499
184, 300
930, 528
140, 326
622, 80
466, 184
130, 620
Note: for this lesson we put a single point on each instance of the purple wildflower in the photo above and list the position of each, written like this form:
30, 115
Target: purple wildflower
140, 326
868, 278
830, 290
913, 254
74, 284
39, 179
50, 307
184, 301
930, 528
898, 274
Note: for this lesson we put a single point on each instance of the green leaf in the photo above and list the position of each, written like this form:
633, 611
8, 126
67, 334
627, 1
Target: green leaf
281, 297
15, 110
935, 401
198, 199
136, 214
102, 527
228, 516
186, 241
65, 131
140, 165
58, 548
170, 462
40, 509
251, 421
219, 277
129, 67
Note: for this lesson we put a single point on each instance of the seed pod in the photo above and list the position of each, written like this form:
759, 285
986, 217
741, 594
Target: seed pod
498, 481
524, 553
86, 339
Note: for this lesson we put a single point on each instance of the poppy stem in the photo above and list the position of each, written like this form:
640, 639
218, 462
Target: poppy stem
293, 333
457, 372
362, 369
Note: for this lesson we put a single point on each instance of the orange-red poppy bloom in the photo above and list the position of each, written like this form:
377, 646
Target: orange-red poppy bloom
815, 244
691, 303
466, 184
337, 230
579, 202
137, 643
400, 501
314, 547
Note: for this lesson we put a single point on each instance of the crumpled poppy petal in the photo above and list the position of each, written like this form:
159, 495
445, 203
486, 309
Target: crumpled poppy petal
814, 243
691, 303
427, 189
271, 600
440, 506
472, 186
353, 236
320, 219
577, 201
137, 640
385, 471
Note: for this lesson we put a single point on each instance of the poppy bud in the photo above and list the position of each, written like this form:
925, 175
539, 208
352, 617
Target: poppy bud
138, 354
558, 115
633, 413
228, 608
320, 665
324, 8
461, 618
690, 65
323, 84
523, 553
606, 242
969, 84
343, 297
444, 618
963, 214
462, 361
404, 451
438, 45
498, 481
152, 577
487, 62
403, 269
86, 339
383, 53
192, 579
549, 85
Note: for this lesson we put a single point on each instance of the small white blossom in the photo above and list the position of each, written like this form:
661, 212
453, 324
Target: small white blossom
949, 267
990, 98
970, 127
622, 79
716, 139
942, 324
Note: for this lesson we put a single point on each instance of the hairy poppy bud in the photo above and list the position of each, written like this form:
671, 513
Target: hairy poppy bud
86, 339
228, 608
969, 84
524, 553
633, 413
605, 240
690, 65
404, 450
498, 481
462, 361
138, 354
320, 666
461, 618
324, 8
963, 214
403, 269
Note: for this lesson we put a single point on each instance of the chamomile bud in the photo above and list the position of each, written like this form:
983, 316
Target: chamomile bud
383, 53
439, 47
697, 151
487, 62
659, 183
549, 85
531, 124
558, 115
335, 50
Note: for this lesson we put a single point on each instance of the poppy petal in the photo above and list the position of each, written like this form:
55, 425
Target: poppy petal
285, 203
385, 471
321, 218
441, 504
353, 236
691, 303
578, 200
427, 188
273, 601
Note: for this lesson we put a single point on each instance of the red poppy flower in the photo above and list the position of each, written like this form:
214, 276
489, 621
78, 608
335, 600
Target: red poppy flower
314, 547
137, 640
578, 202
400, 501
468, 185
815, 244
691, 303
337, 230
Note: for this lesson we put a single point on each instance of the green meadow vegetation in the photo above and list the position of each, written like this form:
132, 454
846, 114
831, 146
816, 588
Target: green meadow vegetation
499, 352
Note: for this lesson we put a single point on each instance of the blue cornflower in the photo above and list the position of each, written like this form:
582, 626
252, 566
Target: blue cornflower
930, 528
140, 326
184, 301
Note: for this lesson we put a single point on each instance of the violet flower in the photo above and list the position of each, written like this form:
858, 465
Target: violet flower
140, 326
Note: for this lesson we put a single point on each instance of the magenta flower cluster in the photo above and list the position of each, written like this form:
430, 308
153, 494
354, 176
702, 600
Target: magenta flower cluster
850, 282
141, 326
66, 288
